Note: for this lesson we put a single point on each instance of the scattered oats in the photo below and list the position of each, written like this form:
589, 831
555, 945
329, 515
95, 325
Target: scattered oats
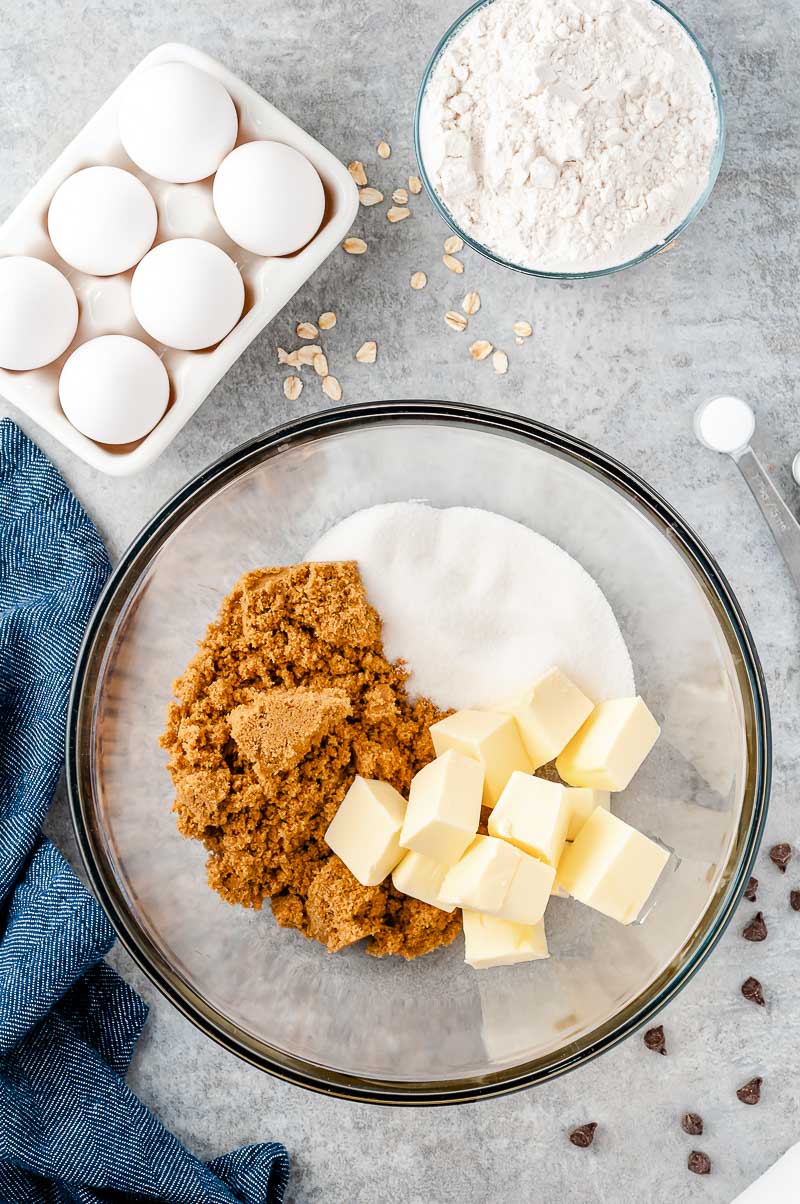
522, 330
306, 330
414, 185
455, 265
354, 246
396, 214
400, 196
283, 356
292, 387
455, 320
321, 364
481, 349
331, 388
419, 280
384, 150
304, 356
500, 361
519, 340
471, 303
327, 320
370, 196
367, 352
356, 169
453, 244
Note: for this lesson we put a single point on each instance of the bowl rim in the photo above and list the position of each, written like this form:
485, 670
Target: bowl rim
492, 256
100, 873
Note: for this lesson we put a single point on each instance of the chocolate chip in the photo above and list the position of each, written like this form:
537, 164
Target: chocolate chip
751, 890
654, 1039
751, 1092
699, 1163
583, 1136
692, 1124
756, 930
752, 990
794, 900
781, 855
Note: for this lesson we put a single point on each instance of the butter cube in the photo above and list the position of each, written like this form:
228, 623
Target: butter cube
444, 808
422, 878
548, 715
611, 866
489, 737
534, 815
365, 831
495, 877
481, 879
529, 892
582, 802
492, 942
610, 746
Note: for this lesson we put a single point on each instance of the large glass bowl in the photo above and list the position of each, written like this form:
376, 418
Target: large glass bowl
487, 252
433, 1030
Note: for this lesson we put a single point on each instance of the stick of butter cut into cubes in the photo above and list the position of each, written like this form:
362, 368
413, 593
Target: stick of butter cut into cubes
365, 831
489, 737
489, 941
606, 752
548, 714
495, 877
544, 838
612, 866
421, 877
444, 808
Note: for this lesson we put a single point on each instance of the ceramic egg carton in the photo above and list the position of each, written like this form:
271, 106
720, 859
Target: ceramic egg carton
184, 210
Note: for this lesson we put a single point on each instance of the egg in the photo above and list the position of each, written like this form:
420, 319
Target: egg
176, 122
268, 197
114, 389
187, 293
102, 220
38, 313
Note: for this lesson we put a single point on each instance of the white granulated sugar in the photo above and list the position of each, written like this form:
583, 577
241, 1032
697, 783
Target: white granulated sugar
569, 136
479, 606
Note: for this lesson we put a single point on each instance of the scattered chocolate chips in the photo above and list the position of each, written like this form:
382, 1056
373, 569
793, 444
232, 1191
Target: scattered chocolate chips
751, 890
583, 1136
756, 930
751, 1092
699, 1164
692, 1124
781, 855
752, 990
655, 1040
794, 900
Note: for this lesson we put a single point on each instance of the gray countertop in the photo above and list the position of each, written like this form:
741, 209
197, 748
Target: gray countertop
621, 362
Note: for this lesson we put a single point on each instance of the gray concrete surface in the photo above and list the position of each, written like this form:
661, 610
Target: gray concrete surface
620, 362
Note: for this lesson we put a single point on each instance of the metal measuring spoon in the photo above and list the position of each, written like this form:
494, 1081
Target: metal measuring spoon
727, 424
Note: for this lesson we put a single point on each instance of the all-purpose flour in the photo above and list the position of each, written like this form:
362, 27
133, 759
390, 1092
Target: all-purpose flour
569, 136
479, 606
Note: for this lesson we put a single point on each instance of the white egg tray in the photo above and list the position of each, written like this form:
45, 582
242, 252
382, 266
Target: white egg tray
184, 210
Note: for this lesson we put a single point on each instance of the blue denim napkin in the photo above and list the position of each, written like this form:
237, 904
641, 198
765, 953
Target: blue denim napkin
70, 1129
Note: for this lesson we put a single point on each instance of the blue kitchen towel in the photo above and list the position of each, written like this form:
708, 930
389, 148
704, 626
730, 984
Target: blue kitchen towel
70, 1129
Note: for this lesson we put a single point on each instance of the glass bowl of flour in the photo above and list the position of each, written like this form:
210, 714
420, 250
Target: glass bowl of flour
491, 546
569, 141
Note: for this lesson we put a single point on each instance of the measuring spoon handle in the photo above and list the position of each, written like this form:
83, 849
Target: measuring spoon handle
783, 524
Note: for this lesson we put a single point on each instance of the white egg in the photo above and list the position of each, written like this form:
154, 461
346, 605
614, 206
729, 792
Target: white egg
187, 293
268, 198
114, 389
176, 122
38, 313
102, 220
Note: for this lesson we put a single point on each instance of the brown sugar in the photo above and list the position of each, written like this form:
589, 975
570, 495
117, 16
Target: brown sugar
288, 698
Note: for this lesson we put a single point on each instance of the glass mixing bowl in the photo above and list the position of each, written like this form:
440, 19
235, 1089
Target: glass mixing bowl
432, 1030
487, 252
